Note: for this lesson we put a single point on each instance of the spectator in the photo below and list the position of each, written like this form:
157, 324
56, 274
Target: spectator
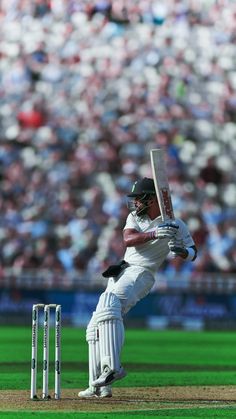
86, 91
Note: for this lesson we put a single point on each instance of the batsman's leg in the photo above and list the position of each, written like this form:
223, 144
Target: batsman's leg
111, 338
92, 337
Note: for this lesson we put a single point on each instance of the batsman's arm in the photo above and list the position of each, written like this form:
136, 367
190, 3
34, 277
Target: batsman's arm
133, 237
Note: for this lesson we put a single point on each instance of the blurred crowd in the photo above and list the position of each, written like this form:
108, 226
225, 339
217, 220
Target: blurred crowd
87, 88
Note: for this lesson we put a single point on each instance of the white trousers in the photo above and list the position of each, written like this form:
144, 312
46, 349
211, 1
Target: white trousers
133, 284
105, 332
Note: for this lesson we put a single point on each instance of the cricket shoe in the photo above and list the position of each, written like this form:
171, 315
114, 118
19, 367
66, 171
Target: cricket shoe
109, 376
95, 392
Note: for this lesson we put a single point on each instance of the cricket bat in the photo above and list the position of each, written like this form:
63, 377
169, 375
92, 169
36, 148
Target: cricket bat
161, 184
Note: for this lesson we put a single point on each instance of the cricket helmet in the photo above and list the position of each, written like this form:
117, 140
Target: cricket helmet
141, 195
143, 186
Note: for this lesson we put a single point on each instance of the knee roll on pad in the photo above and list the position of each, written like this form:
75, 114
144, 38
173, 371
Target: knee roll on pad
108, 308
92, 330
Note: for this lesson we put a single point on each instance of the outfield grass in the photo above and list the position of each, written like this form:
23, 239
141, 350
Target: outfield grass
165, 413
151, 358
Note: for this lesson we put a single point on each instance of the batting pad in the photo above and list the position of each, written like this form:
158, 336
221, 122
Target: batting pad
111, 330
94, 350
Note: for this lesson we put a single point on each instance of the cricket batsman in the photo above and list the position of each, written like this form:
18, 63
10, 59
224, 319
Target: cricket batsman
148, 241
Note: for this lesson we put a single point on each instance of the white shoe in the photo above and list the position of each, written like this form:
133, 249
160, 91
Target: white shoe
109, 376
105, 391
93, 392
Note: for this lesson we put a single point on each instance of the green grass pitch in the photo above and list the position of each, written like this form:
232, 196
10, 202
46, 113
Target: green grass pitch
151, 358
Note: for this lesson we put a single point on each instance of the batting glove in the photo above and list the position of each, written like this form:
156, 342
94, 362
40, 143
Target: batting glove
187, 254
166, 230
178, 251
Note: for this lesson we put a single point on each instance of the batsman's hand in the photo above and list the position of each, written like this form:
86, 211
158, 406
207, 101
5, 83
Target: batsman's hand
166, 230
177, 251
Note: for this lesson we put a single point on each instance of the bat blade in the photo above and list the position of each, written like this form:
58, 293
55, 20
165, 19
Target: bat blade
161, 183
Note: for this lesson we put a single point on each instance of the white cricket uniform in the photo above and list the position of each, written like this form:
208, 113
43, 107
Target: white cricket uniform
136, 281
105, 331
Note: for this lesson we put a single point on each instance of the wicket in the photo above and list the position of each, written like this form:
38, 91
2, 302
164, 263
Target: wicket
46, 327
